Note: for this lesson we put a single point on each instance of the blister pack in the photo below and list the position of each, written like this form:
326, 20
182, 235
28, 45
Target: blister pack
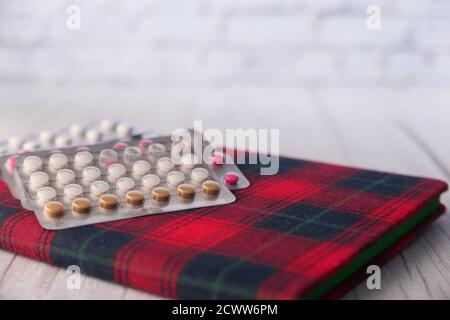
78, 186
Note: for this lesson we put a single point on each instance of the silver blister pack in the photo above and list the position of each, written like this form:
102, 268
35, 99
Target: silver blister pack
135, 177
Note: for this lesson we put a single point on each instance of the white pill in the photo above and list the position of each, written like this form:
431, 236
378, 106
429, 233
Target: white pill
3, 152
156, 148
91, 174
58, 161
76, 130
46, 137
116, 171
150, 181
165, 165
32, 164
65, 177
73, 191
124, 131
141, 167
93, 136
38, 180
63, 141
108, 157
99, 188
15, 143
30, 146
199, 175
107, 125
175, 178
45, 195
189, 160
83, 159
125, 184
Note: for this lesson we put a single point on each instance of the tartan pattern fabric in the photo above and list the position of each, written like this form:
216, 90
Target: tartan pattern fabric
283, 236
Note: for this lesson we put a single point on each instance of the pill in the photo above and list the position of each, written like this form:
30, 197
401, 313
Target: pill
38, 180
116, 171
53, 210
135, 198
141, 167
165, 165
99, 188
107, 125
46, 137
125, 184
58, 161
94, 136
199, 175
120, 145
210, 187
124, 131
175, 178
11, 164
76, 130
32, 164
156, 151
108, 202
45, 195
108, 157
91, 174
132, 154
160, 194
189, 160
3, 152
73, 191
143, 144
65, 177
150, 181
186, 191
15, 143
217, 160
231, 179
81, 205
83, 159
63, 141
30, 146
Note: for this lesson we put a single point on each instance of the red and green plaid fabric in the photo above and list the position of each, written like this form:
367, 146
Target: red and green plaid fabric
294, 235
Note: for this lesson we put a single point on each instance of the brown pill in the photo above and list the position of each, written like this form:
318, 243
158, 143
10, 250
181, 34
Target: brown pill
186, 191
53, 210
81, 205
210, 188
160, 194
108, 202
135, 198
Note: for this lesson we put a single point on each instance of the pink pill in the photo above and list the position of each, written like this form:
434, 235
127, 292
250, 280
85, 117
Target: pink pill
144, 143
120, 146
12, 163
217, 160
231, 179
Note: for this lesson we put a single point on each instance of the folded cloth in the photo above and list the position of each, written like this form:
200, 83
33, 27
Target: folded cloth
298, 234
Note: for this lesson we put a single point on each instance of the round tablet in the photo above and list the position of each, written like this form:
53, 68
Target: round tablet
73, 191
93, 136
189, 160
132, 154
107, 125
124, 131
77, 130
160, 194
91, 174
165, 165
58, 161
15, 143
62, 141
81, 205
231, 179
30, 146
116, 171
199, 175
53, 210
46, 137
141, 167
175, 178
65, 177
108, 157
156, 149
32, 164
125, 184
135, 198
45, 195
83, 159
150, 181
99, 187
210, 188
185, 191
38, 180
108, 202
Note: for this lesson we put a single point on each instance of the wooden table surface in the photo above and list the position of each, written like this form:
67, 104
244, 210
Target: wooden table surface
403, 136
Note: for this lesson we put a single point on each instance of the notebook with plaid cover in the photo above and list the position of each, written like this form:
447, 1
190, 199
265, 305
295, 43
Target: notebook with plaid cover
298, 234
